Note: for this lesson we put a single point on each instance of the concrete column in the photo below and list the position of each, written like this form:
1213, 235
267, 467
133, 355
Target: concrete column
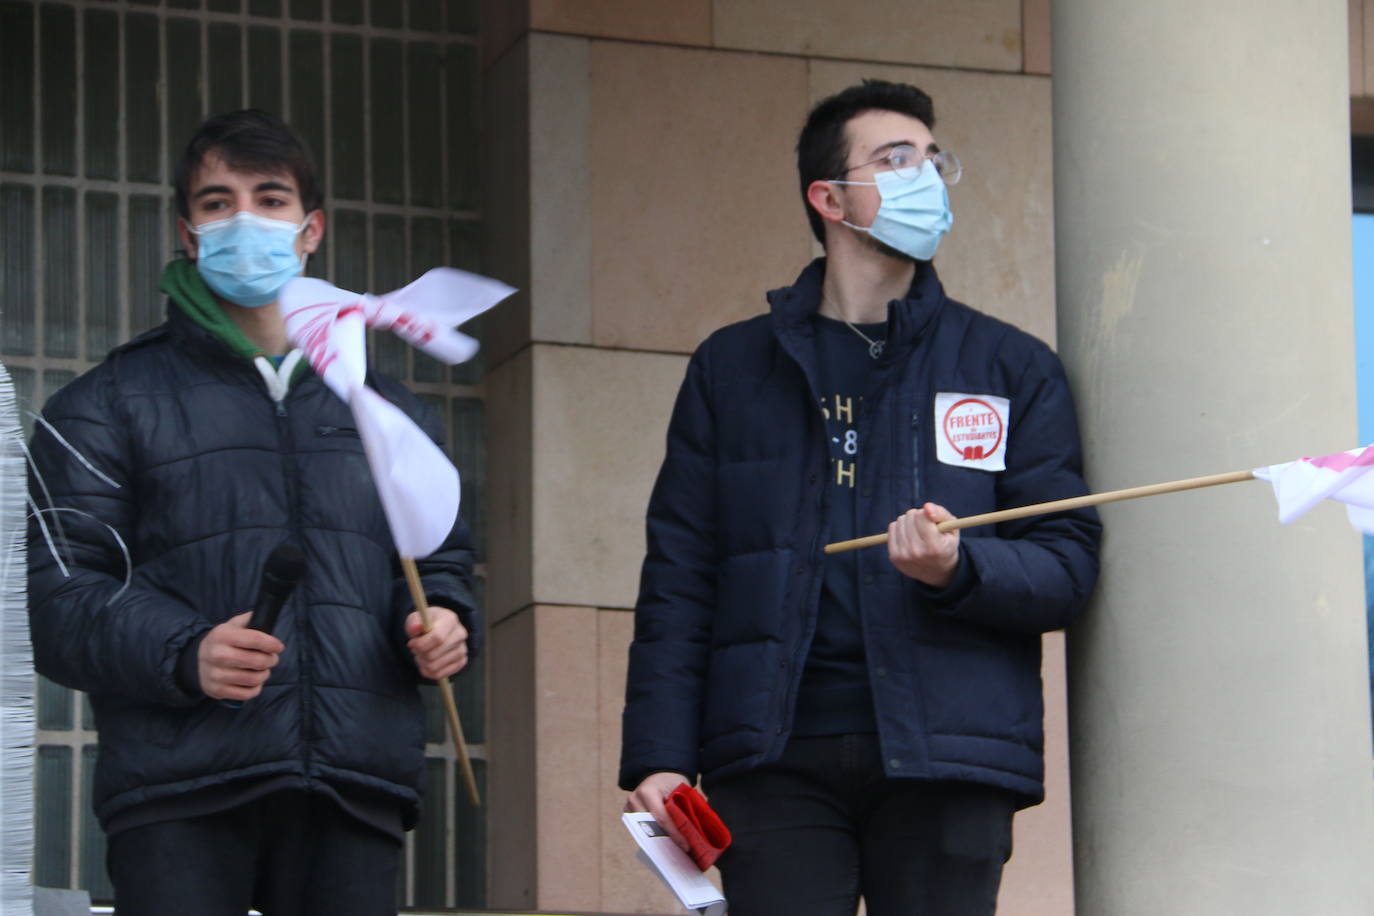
1219, 704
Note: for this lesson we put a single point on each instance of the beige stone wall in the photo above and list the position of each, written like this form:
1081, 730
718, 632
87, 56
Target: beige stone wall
1361, 36
1361, 48
641, 192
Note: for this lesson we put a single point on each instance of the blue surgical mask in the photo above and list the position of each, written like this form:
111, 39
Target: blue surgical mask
248, 258
913, 214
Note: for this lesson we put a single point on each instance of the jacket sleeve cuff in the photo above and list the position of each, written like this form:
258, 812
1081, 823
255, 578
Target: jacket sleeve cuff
188, 667
467, 616
630, 779
965, 578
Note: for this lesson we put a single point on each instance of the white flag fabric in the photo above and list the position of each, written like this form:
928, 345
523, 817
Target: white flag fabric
1300, 485
328, 323
418, 485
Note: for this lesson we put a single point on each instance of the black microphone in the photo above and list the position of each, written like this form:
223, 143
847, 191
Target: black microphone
280, 574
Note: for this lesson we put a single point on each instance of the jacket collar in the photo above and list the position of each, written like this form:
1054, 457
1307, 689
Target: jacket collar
193, 336
907, 319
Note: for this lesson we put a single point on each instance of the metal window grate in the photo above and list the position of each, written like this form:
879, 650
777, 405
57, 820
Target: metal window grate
96, 97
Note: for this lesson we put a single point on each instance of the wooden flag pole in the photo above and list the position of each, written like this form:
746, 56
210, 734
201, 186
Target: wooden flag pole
417, 595
1058, 505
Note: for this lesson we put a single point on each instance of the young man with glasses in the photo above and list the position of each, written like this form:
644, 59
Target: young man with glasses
865, 723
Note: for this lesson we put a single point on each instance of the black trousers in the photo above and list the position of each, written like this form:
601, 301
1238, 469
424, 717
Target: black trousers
285, 854
824, 826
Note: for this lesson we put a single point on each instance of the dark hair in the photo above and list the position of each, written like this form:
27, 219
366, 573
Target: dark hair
822, 149
250, 141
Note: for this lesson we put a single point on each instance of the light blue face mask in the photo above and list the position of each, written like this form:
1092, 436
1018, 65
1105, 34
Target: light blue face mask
248, 258
913, 214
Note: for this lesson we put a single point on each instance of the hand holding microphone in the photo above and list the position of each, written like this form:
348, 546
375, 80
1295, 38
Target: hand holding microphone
237, 657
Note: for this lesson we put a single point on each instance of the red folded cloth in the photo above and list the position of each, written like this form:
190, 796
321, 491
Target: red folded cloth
706, 835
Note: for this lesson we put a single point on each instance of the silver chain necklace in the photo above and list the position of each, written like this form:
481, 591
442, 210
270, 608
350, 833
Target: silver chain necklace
875, 347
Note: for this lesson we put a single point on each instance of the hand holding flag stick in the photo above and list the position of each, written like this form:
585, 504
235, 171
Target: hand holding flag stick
1298, 486
417, 484
455, 727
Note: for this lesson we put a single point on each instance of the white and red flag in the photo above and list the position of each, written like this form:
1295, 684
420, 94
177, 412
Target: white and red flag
1300, 485
418, 485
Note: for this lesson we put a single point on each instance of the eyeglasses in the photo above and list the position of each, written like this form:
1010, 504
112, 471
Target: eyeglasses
907, 161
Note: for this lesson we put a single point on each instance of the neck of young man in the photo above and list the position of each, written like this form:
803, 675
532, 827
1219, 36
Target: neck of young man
263, 326
860, 281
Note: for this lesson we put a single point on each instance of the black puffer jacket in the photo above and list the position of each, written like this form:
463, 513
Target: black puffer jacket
212, 476
730, 590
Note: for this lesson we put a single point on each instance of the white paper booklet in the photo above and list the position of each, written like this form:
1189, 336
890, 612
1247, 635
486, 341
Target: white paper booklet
670, 863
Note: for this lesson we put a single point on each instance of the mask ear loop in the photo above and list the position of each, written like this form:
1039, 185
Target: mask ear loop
870, 184
305, 255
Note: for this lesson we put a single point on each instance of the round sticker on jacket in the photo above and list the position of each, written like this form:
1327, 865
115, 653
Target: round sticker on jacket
972, 431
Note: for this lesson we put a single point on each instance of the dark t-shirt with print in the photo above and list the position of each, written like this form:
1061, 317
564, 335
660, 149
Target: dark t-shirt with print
835, 697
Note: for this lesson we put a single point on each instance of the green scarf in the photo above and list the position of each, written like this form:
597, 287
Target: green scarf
181, 281
184, 286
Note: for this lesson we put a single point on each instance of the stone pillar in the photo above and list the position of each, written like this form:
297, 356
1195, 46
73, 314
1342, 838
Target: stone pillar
1219, 701
597, 151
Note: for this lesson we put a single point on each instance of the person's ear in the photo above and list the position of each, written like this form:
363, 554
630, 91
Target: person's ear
825, 198
313, 234
188, 241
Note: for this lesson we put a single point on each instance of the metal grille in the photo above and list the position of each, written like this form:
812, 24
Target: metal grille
96, 99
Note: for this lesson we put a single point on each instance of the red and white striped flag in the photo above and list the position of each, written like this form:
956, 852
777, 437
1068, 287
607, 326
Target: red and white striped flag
1300, 485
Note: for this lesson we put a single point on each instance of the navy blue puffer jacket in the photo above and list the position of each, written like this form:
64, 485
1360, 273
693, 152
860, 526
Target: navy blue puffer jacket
212, 475
738, 518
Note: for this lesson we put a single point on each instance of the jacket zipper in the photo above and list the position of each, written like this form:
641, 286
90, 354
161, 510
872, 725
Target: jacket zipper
916, 459
289, 473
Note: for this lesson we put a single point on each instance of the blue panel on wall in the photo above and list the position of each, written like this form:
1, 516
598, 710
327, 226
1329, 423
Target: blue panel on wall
1362, 238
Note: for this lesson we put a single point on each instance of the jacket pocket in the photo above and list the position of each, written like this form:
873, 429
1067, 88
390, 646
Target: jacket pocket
988, 689
332, 432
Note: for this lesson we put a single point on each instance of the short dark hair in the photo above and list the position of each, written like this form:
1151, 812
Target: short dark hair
822, 149
250, 141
